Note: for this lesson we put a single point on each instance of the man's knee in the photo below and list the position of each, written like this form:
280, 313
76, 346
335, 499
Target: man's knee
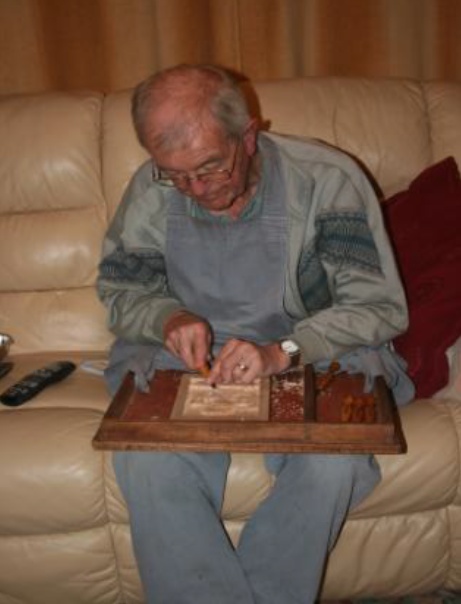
331, 472
136, 470
162, 472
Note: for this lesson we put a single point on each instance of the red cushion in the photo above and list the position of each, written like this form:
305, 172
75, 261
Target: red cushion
424, 223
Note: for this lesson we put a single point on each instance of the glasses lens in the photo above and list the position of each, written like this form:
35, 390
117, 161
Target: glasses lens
160, 178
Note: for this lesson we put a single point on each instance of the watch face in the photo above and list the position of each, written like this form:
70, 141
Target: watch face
289, 347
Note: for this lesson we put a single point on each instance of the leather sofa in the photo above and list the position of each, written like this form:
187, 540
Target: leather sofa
65, 159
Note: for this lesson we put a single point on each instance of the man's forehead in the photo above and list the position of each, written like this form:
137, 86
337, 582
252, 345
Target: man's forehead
169, 130
192, 152
188, 114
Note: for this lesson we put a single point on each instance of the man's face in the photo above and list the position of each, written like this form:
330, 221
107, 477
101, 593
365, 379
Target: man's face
209, 151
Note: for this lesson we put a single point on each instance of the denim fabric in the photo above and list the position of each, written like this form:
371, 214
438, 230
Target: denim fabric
183, 552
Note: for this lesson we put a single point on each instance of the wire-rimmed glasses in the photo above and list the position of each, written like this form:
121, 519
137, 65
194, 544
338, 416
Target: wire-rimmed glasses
182, 180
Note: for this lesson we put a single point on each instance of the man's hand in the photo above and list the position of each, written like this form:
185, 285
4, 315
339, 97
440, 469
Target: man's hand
188, 337
242, 362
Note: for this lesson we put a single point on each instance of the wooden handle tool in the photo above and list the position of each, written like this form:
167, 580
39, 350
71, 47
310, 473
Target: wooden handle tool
204, 371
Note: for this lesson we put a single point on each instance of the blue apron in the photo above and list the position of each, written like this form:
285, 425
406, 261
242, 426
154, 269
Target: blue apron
232, 273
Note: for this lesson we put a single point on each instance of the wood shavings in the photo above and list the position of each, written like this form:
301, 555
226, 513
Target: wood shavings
355, 407
287, 399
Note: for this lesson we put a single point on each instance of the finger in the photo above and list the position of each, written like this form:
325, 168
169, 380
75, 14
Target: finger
231, 364
239, 373
245, 374
189, 340
193, 349
201, 351
172, 344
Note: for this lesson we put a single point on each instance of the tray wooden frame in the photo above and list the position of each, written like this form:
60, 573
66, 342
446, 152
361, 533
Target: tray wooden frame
137, 421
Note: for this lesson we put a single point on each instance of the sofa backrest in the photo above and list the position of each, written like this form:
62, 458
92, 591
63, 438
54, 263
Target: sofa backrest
52, 217
65, 159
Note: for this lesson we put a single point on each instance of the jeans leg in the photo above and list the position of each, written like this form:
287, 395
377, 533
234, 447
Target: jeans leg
284, 545
183, 553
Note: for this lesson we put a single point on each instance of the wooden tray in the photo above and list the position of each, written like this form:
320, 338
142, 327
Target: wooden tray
303, 417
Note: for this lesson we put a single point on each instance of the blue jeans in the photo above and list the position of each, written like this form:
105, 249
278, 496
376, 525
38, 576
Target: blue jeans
183, 552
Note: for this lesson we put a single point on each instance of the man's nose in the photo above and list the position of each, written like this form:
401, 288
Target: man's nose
196, 186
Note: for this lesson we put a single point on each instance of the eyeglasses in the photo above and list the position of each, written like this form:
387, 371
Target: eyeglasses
182, 180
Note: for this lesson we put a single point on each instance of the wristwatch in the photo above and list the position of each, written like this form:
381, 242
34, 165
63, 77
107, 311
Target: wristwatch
292, 350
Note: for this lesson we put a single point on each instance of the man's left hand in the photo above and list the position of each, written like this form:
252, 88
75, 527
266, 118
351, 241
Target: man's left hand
241, 362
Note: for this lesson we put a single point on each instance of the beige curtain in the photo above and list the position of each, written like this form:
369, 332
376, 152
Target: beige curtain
111, 44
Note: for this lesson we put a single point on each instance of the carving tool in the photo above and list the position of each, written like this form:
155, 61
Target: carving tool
204, 371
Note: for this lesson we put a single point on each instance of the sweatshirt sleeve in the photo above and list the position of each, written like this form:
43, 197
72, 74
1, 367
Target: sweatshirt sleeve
345, 273
132, 281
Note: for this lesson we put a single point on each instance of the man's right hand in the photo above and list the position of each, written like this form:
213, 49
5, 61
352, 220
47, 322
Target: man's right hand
188, 337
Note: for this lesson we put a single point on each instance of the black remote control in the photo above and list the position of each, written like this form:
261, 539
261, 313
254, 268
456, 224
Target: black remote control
35, 382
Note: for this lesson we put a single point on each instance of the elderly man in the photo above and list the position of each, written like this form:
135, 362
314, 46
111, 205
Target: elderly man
241, 250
